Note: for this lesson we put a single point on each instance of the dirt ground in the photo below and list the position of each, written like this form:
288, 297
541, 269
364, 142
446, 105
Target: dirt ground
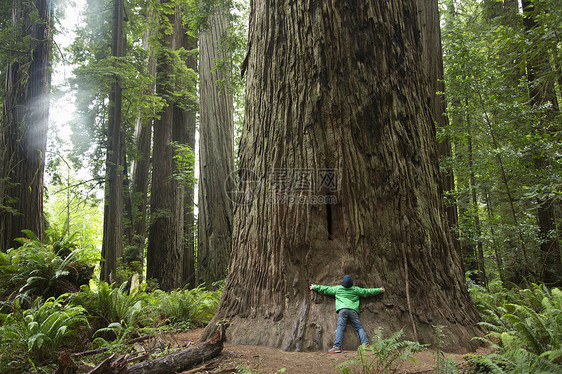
266, 360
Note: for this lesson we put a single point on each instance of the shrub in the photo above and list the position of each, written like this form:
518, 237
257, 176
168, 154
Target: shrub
35, 269
383, 356
525, 328
192, 307
36, 334
107, 304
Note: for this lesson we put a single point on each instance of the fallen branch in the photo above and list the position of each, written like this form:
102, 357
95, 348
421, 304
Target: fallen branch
101, 350
186, 358
91, 352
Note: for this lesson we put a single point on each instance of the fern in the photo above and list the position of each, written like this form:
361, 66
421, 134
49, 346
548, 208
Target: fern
195, 306
36, 334
524, 327
518, 361
384, 355
107, 304
36, 269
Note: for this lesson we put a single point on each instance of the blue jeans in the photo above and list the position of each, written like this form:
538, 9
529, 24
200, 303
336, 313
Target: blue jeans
343, 316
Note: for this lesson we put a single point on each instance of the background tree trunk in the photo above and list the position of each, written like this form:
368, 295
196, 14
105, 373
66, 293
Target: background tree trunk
112, 244
216, 155
477, 231
432, 57
542, 94
336, 89
23, 135
165, 239
141, 170
189, 124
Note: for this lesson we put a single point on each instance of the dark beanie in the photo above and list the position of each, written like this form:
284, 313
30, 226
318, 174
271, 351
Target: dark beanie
347, 281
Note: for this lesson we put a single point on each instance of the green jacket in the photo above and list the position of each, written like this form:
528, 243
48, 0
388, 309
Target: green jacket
347, 298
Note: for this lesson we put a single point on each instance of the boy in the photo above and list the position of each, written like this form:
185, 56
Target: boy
347, 305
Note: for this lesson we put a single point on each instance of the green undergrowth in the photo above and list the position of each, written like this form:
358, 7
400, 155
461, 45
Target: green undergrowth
44, 310
524, 328
38, 269
382, 356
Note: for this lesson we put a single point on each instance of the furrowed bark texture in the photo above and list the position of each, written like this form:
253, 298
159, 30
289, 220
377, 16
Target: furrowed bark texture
432, 57
165, 239
216, 156
23, 130
339, 85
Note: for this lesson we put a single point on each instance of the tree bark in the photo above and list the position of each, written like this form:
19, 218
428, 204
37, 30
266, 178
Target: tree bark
23, 130
189, 120
165, 239
340, 135
216, 155
141, 169
112, 244
432, 57
183, 133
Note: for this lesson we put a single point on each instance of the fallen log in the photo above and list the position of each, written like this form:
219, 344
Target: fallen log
184, 359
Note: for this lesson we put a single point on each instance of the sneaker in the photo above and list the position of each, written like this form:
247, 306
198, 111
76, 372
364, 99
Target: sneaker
335, 350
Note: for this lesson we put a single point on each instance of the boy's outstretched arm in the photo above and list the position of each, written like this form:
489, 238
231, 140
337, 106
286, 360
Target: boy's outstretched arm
368, 292
326, 290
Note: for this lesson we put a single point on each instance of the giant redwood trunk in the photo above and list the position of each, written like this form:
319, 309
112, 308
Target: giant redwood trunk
23, 127
216, 155
339, 171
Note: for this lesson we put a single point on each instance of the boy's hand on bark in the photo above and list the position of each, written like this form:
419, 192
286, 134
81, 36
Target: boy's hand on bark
311, 287
382, 290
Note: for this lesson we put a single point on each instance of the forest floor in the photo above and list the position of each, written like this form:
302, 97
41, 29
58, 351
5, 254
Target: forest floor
266, 360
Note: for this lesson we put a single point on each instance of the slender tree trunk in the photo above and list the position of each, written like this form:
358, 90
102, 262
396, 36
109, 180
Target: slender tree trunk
141, 170
467, 249
474, 203
165, 239
23, 128
505, 181
189, 124
338, 161
542, 94
497, 246
112, 245
183, 133
216, 155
